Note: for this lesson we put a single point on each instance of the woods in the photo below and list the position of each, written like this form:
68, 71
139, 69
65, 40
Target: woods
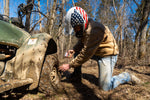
36, 61
128, 20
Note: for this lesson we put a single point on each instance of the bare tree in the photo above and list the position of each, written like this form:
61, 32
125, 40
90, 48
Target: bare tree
6, 7
28, 15
39, 15
52, 18
140, 38
143, 27
148, 34
60, 29
73, 3
120, 16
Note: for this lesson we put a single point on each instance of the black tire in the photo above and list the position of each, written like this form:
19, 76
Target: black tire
50, 81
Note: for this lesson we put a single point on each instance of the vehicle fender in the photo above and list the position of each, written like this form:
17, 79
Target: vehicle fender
30, 57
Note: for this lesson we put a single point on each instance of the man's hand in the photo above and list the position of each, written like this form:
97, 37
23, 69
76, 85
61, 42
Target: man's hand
64, 67
69, 53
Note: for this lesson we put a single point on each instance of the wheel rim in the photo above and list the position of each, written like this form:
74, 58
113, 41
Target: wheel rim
53, 76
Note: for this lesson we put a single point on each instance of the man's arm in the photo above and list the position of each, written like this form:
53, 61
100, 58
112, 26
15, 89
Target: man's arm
78, 46
92, 43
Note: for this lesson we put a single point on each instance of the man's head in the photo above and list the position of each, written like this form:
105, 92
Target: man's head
77, 19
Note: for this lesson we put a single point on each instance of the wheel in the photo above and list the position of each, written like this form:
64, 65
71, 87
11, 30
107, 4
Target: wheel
50, 81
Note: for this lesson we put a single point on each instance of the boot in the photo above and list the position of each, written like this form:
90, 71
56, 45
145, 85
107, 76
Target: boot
76, 75
135, 80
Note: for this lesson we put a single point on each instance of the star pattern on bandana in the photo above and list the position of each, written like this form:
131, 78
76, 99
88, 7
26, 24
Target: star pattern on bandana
76, 19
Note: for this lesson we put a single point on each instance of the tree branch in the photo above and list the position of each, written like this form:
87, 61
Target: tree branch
41, 13
115, 9
36, 24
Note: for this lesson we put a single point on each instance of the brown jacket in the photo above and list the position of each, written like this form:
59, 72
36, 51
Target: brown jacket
97, 40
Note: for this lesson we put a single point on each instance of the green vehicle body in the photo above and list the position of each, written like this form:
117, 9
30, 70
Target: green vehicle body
26, 65
12, 35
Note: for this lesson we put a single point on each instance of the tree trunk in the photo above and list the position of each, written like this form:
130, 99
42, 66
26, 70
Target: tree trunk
6, 7
120, 19
121, 44
61, 18
141, 32
60, 29
53, 11
143, 28
142, 44
48, 14
148, 34
28, 15
136, 45
73, 3
39, 16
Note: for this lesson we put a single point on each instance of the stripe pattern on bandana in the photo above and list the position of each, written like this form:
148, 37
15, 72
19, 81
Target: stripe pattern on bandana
76, 19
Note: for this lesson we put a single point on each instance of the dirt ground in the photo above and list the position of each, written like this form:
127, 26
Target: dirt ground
88, 89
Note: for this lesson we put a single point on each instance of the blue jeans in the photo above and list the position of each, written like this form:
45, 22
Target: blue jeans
106, 66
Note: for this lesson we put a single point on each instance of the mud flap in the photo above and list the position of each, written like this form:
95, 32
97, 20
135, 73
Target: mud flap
12, 84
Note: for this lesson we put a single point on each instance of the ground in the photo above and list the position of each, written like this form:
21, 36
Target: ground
89, 90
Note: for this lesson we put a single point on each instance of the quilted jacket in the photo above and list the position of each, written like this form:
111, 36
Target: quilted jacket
97, 40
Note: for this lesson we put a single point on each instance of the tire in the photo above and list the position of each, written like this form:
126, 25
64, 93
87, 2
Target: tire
50, 81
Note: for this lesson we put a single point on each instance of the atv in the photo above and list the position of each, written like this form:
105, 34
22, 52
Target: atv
27, 62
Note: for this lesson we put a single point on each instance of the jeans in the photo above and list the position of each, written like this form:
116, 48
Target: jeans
105, 69
106, 66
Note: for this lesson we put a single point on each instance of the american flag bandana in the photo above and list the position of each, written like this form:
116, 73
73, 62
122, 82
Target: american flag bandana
75, 16
76, 19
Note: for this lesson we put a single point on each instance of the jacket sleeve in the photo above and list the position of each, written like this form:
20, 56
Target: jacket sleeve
78, 46
93, 40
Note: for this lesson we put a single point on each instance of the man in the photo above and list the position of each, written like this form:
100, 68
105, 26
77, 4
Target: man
95, 42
